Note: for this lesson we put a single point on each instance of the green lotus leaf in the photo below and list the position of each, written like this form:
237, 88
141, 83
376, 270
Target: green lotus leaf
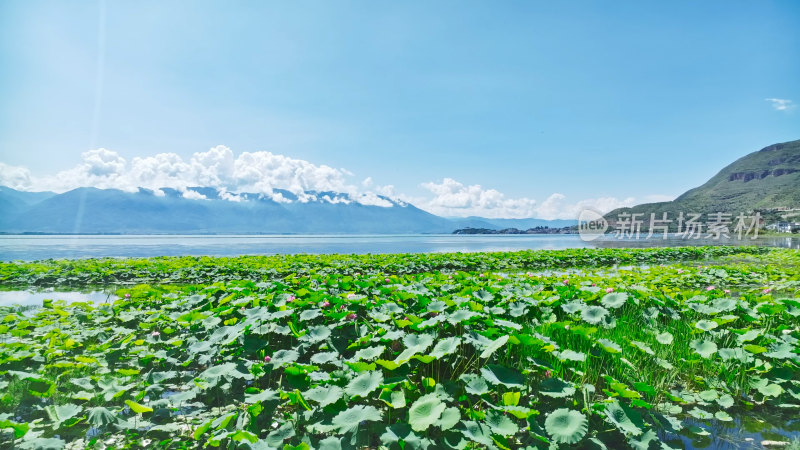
700, 414
724, 304
643, 347
437, 306
42, 444
614, 299
276, 437
324, 395
734, 353
425, 412
496, 374
475, 384
310, 314
401, 436
445, 347
593, 314
99, 417
749, 335
325, 357
704, 348
137, 408
643, 442
755, 349
609, 346
460, 316
723, 416
566, 426
664, 338
19, 429
706, 325
477, 432
556, 388
624, 419
283, 357
329, 443
570, 355
573, 306
450, 417
316, 334
418, 342
349, 419
782, 350
364, 384
771, 390
395, 399
267, 395
725, 401
494, 346
60, 414
708, 395
369, 353
501, 424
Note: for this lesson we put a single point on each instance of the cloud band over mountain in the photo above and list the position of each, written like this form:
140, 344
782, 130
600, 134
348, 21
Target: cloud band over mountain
265, 172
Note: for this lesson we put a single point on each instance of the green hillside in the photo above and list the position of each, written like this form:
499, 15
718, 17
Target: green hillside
767, 181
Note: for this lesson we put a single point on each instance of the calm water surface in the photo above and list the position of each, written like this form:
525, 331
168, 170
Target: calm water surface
29, 248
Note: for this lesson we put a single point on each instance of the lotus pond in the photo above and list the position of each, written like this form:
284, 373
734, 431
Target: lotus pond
581, 348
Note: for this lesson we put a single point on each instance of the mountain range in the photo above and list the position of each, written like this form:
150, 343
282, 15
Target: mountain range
767, 181
204, 210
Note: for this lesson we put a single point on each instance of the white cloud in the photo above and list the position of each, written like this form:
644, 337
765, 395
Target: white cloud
16, 177
452, 198
258, 172
781, 104
192, 195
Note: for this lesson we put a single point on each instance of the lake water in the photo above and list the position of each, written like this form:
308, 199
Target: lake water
29, 248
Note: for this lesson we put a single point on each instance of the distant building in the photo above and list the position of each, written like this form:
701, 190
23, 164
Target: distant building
784, 227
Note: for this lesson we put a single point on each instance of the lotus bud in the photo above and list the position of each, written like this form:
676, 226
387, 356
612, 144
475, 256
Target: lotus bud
267, 359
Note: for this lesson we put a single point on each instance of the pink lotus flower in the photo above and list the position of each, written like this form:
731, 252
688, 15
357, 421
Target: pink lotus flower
481, 275
680, 270
548, 373
565, 282
267, 359
291, 298
325, 304
156, 333
351, 296
710, 288
127, 295
766, 291
609, 290
727, 291
351, 316
387, 280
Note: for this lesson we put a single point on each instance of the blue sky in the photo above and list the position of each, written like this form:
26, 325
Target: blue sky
586, 99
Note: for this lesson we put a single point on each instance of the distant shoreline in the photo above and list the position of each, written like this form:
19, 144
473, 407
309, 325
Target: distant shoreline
536, 230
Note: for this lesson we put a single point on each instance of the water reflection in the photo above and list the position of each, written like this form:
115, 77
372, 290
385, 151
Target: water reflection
36, 298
